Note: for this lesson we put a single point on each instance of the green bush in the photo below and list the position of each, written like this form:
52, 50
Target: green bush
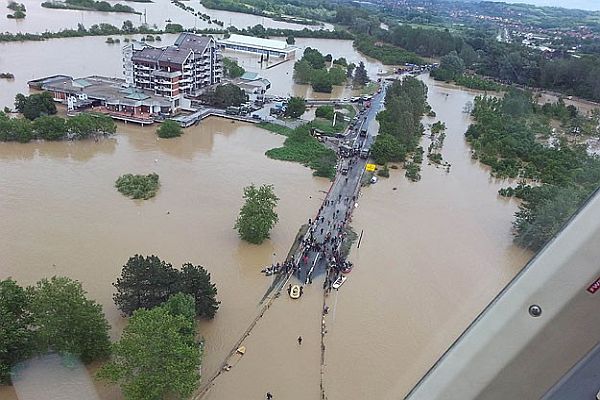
384, 172
138, 186
301, 147
169, 129
325, 112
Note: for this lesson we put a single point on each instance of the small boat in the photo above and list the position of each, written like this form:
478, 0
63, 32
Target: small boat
347, 268
295, 292
339, 282
241, 350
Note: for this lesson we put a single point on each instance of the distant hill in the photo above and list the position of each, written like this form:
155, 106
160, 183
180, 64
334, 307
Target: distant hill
591, 5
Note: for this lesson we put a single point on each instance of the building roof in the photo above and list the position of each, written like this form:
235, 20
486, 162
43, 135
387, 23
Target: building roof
196, 43
177, 53
137, 96
258, 42
249, 76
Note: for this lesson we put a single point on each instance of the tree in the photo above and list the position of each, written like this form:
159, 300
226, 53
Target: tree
50, 127
321, 81
361, 77
451, 66
128, 27
35, 105
387, 148
225, 96
145, 282
181, 304
337, 75
156, 357
231, 68
194, 280
169, 129
314, 58
16, 339
341, 61
148, 282
303, 72
325, 112
64, 320
350, 69
290, 40
257, 216
296, 107
539, 221
173, 28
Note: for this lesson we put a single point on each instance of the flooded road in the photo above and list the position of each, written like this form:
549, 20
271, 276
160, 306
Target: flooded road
40, 19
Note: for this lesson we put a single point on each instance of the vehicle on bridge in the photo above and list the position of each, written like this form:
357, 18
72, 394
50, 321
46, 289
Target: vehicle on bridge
345, 150
345, 167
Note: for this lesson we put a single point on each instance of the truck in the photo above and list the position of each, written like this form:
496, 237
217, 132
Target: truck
232, 110
345, 151
345, 167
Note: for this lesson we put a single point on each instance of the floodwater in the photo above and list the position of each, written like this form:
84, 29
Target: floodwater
86, 56
40, 19
434, 253
62, 215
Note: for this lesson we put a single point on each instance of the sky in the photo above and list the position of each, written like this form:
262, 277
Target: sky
580, 4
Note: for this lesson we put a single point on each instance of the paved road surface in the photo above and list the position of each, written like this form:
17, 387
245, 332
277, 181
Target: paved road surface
339, 203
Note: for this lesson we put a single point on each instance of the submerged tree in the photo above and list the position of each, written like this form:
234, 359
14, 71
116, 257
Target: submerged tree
296, 107
257, 216
147, 282
156, 357
360, 75
16, 337
64, 320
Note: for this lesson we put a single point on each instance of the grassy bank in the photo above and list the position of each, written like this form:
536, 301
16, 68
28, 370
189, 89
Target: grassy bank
280, 129
301, 147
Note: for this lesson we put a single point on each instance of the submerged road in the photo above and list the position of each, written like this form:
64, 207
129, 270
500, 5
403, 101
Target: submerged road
334, 214
337, 207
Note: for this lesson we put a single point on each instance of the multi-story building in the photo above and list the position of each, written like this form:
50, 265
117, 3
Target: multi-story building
192, 63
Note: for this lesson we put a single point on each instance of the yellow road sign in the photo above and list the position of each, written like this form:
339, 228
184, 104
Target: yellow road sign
370, 167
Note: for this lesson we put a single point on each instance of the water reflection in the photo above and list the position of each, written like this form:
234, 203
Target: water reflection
53, 377
81, 151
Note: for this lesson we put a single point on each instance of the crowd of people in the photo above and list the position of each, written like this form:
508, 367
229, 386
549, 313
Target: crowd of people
324, 237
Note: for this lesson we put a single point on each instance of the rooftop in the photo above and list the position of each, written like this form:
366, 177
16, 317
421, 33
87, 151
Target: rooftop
110, 90
177, 53
257, 42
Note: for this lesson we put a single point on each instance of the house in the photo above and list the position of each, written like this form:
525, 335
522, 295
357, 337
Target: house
254, 86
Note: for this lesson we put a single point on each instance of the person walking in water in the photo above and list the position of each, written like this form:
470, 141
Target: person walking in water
300, 340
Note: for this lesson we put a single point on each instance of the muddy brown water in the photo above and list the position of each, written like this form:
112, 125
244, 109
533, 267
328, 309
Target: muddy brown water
80, 57
434, 253
157, 14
